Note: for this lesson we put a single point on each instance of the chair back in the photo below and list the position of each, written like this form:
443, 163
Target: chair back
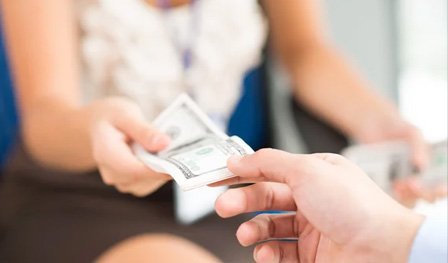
8, 113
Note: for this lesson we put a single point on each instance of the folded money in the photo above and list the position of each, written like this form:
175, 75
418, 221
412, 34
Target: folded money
385, 162
198, 152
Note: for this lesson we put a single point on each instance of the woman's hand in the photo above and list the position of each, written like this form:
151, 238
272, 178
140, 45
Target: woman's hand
409, 190
118, 122
399, 130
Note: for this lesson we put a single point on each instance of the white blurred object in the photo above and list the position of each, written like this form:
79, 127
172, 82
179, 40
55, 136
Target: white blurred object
423, 93
438, 207
423, 101
191, 206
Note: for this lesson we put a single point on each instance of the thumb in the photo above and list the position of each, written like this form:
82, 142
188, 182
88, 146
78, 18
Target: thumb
141, 132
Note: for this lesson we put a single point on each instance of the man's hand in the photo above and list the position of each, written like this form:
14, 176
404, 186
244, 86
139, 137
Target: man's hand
338, 213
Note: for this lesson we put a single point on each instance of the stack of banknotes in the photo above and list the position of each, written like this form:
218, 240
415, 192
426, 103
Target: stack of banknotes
388, 161
198, 152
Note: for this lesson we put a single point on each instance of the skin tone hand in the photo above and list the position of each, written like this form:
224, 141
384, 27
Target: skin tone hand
112, 131
338, 213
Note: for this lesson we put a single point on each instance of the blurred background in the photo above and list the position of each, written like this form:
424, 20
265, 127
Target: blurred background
399, 45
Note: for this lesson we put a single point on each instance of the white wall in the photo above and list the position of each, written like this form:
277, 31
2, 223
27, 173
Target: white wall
365, 30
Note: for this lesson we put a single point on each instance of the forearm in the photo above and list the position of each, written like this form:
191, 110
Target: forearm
58, 136
391, 237
42, 49
328, 86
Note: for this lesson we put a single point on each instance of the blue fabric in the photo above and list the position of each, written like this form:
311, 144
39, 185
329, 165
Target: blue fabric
8, 115
248, 120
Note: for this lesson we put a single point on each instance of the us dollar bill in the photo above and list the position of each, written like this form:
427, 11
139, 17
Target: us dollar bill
198, 152
389, 161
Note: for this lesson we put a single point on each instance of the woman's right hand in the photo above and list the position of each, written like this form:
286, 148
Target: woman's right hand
116, 123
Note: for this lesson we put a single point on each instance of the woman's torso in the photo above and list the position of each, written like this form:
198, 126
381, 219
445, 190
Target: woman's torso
126, 51
134, 49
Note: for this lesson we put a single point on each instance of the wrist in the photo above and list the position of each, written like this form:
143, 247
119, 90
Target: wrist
391, 238
381, 128
56, 136
403, 230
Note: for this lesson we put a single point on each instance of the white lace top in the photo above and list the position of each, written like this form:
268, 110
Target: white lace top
127, 49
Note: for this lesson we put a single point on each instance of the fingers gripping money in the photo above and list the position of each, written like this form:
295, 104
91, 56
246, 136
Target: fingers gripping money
198, 152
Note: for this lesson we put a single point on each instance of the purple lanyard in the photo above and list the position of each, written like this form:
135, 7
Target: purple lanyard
186, 53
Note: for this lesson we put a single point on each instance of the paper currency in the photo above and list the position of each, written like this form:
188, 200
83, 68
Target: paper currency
385, 162
198, 152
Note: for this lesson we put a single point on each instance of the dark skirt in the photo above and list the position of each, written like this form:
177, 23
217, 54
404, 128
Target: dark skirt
52, 216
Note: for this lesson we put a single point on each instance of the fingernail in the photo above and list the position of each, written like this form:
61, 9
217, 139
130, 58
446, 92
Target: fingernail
256, 250
266, 254
242, 232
